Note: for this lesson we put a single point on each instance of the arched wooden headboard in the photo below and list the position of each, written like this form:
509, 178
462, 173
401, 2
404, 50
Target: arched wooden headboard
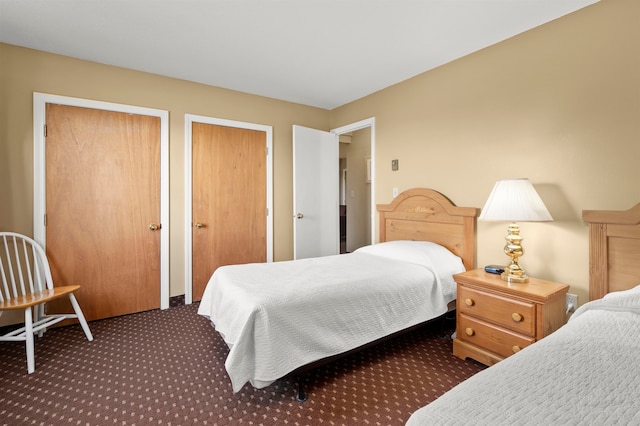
423, 214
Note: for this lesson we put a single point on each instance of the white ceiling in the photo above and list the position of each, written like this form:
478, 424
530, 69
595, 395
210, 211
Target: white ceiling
322, 53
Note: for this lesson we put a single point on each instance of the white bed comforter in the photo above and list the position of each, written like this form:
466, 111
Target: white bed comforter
276, 317
586, 373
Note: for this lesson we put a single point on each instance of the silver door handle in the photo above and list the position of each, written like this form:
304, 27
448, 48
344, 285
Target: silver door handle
299, 216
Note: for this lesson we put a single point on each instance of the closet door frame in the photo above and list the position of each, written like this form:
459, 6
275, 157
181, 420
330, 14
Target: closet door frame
39, 173
189, 119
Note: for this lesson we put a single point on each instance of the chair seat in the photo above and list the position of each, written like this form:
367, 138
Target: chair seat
32, 299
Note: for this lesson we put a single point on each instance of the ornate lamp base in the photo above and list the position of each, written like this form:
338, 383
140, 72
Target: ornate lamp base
513, 273
514, 278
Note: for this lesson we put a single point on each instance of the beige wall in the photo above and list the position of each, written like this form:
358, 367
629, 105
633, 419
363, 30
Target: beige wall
559, 104
25, 71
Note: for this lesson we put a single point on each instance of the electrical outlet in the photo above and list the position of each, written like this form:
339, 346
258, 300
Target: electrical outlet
572, 299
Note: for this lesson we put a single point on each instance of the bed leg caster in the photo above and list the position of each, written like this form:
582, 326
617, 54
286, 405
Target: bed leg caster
449, 316
301, 396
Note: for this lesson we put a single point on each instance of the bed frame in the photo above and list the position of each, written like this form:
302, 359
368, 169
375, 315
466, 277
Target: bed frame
418, 214
614, 250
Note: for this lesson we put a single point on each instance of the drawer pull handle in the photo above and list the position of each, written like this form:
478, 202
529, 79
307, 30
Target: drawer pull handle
469, 302
516, 317
469, 331
516, 349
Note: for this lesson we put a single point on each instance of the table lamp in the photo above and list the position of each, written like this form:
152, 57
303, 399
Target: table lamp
514, 200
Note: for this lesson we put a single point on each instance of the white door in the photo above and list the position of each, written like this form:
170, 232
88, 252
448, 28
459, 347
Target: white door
315, 193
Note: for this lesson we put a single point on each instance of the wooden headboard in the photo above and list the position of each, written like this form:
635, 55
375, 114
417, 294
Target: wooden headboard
614, 250
422, 214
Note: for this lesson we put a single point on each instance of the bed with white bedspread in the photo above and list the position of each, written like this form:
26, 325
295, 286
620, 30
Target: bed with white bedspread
282, 317
587, 372
276, 317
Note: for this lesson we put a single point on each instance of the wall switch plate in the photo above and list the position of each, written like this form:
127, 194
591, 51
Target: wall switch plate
395, 192
394, 165
572, 299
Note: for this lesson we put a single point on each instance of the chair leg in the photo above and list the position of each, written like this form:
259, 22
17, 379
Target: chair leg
39, 314
81, 319
28, 330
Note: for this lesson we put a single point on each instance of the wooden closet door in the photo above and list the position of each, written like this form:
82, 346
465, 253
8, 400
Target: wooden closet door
229, 199
102, 199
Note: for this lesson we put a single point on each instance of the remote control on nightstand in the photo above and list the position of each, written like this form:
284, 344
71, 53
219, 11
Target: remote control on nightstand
494, 269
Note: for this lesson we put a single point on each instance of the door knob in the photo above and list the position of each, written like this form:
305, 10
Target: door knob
299, 216
199, 225
154, 226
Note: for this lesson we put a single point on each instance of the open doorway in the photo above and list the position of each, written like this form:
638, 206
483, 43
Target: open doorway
356, 200
342, 169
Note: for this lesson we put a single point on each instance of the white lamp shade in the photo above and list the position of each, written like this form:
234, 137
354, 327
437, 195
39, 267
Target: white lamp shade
515, 200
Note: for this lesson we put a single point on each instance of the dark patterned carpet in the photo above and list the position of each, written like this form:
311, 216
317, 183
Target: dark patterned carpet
167, 367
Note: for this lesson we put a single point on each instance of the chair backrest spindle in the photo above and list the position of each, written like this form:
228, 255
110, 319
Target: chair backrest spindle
27, 263
40, 279
4, 290
12, 291
19, 266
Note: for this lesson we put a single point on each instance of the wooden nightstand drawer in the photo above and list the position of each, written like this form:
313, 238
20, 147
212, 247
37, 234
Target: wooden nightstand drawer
494, 316
512, 314
488, 336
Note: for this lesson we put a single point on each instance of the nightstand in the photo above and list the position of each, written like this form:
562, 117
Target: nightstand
495, 319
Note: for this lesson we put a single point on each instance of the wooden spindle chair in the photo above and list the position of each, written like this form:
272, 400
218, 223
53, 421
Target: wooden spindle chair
26, 284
